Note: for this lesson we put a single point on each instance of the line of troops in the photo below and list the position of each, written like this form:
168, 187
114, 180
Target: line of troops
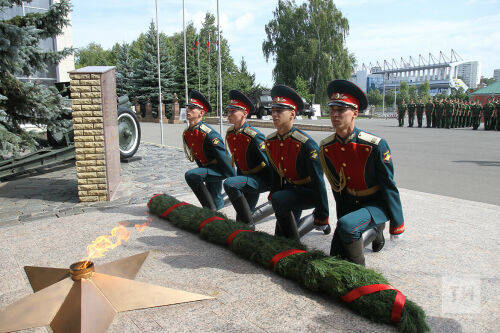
291, 166
451, 113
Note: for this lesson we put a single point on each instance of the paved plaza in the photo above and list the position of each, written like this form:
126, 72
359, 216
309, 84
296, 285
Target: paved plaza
447, 262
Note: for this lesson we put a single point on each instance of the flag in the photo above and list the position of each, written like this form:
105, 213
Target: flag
195, 44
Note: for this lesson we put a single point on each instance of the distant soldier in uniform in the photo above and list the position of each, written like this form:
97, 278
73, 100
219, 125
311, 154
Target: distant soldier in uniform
449, 108
298, 182
476, 114
495, 116
411, 112
487, 114
438, 112
248, 150
420, 112
429, 113
205, 146
402, 112
359, 167
468, 117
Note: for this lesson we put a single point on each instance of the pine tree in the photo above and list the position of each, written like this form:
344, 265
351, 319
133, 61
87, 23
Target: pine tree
125, 71
20, 55
145, 77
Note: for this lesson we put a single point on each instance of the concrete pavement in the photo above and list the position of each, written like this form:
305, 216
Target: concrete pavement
448, 261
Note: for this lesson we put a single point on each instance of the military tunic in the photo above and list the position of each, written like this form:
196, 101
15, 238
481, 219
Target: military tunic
401, 114
429, 108
487, 113
439, 107
420, 113
254, 174
449, 107
204, 145
411, 114
297, 182
360, 171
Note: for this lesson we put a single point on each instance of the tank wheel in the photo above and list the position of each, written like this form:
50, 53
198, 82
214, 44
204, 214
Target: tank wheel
129, 132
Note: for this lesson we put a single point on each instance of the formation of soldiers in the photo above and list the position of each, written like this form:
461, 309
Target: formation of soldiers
451, 113
291, 166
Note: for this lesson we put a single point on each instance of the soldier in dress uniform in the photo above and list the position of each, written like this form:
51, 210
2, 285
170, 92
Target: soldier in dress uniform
401, 113
494, 118
420, 112
488, 108
298, 182
411, 112
448, 109
429, 113
438, 111
359, 167
476, 114
248, 150
205, 146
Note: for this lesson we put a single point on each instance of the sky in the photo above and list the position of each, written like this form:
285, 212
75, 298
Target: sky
379, 29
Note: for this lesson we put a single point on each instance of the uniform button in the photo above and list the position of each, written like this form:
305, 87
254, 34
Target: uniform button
248, 140
357, 201
281, 144
234, 149
237, 160
192, 134
326, 149
367, 149
268, 144
282, 158
298, 146
342, 148
284, 170
348, 178
344, 165
234, 138
192, 145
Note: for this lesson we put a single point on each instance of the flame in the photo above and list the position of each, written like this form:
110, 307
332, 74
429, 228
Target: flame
104, 243
141, 227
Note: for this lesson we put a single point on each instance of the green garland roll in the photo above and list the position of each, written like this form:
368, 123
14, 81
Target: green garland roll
365, 291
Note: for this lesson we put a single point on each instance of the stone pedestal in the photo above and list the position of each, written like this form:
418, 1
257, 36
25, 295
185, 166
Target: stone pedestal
95, 124
174, 119
148, 118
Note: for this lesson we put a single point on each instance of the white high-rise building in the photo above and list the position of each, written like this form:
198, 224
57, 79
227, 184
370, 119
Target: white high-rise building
470, 73
496, 74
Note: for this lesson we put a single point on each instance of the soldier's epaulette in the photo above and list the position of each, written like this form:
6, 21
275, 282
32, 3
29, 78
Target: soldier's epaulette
230, 129
250, 131
205, 128
369, 137
327, 140
299, 136
272, 135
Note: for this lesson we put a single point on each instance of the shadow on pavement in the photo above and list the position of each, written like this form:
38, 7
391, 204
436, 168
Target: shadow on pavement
482, 163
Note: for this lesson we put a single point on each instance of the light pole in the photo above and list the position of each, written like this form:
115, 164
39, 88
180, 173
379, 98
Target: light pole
160, 111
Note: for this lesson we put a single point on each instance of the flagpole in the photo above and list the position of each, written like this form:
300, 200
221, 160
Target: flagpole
160, 111
209, 68
220, 70
185, 56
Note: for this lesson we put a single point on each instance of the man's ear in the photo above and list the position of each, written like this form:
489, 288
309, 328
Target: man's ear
356, 112
293, 113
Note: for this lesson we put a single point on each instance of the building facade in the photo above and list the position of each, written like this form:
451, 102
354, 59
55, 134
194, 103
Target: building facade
470, 73
54, 73
496, 74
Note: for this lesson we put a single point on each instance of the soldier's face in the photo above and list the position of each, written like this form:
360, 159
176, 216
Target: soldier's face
236, 116
342, 116
282, 116
193, 113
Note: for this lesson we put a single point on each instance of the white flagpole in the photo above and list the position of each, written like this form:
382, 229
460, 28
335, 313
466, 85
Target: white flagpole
199, 77
209, 68
160, 111
185, 56
220, 70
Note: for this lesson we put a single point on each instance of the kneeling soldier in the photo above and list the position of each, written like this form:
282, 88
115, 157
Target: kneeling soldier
359, 167
204, 145
248, 150
298, 182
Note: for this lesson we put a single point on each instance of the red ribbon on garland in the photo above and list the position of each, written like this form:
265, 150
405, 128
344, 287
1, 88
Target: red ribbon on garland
399, 301
154, 196
230, 239
207, 221
283, 254
168, 211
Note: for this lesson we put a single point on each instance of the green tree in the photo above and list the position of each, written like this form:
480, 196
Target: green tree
20, 55
93, 55
308, 41
424, 91
374, 97
302, 89
145, 77
412, 92
403, 93
488, 81
389, 98
125, 72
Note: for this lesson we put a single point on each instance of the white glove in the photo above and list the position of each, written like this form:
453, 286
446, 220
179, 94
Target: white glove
395, 238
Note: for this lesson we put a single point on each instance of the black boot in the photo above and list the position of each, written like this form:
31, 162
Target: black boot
369, 236
262, 211
306, 224
355, 252
379, 241
337, 248
243, 213
287, 227
204, 197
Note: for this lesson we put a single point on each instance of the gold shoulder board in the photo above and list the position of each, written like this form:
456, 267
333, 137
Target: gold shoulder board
369, 137
250, 132
299, 136
327, 140
271, 136
205, 128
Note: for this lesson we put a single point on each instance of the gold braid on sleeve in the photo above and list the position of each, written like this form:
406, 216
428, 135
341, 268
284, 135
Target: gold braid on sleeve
336, 184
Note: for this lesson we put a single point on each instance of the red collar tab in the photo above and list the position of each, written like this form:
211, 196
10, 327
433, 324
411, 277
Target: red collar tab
237, 104
345, 99
284, 101
198, 103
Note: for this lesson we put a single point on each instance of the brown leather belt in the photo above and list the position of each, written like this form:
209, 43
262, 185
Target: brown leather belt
363, 193
255, 170
214, 161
